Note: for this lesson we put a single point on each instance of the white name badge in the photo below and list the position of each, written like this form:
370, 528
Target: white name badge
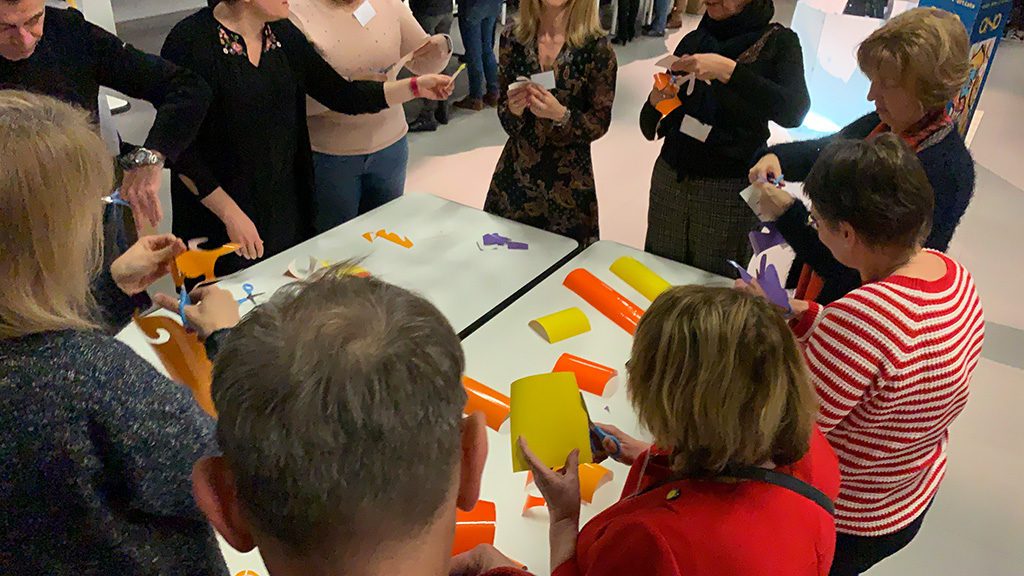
364, 13
545, 80
752, 196
695, 128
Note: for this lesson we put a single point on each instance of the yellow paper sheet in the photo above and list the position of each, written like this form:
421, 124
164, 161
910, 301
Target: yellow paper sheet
548, 412
640, 277
561, 325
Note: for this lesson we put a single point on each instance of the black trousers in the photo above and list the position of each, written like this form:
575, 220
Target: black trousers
626, 25
856, 554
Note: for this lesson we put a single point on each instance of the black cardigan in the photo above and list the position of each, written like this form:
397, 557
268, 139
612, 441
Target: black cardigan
74, 58
771, 88
950, 170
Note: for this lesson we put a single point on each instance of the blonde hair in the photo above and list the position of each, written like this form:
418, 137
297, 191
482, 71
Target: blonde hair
716, 376
927, 47
584, 22
54, 170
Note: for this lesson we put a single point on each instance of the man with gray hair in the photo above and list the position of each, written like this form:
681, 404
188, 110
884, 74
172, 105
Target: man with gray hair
344, 446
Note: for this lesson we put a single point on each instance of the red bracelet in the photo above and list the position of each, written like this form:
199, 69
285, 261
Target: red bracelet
415, 87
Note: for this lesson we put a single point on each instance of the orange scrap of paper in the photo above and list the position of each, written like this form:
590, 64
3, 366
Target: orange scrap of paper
474, 527
368, 236
532, 502
592, 477
182, 355
199, 262
480, 398
392, 237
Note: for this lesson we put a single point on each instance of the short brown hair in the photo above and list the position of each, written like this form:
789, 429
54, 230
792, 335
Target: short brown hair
878, 186
54, 169
716, 376
339, 414
927, 47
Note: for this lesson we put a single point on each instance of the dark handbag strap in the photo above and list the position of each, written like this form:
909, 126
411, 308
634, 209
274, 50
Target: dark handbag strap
791, 483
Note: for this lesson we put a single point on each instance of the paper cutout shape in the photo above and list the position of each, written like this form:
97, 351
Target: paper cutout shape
474, 527
663, 82
764, 236
532, 502
592, 477
561, 325
480, 398
197, 262
615, 306
182, 355
368, 236
768, 279
458, 71
494, 240
590, 376
392, 237
547, 412
517, 246
640, 277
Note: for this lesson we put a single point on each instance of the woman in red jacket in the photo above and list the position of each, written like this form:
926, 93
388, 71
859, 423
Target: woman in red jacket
738, 481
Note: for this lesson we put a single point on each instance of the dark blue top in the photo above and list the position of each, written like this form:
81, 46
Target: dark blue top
950, 171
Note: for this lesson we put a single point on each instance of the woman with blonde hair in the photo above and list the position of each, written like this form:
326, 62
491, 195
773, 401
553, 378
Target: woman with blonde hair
916, 63
98, 446
738, 481
545, 176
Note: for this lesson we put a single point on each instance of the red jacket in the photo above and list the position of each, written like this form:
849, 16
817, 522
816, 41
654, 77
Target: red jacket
713, 528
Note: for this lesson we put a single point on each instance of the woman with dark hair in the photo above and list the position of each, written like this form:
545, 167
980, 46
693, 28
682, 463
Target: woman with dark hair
892, 360
749, 71
248, 177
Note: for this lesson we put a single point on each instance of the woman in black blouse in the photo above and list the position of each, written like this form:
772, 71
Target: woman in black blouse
751, 72
248, 177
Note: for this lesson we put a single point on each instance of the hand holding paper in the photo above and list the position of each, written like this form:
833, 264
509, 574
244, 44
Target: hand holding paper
561, 488
547, 412
145, 262
767, 284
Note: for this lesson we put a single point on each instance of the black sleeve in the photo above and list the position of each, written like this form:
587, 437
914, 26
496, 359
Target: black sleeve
795, 228
782, 97
179, 96
797, 158
952, 178
180, 48
214, 342
116, 307
321, 81
649, 120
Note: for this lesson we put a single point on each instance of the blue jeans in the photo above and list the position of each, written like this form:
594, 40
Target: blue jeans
347, 186
661, 10
476, 24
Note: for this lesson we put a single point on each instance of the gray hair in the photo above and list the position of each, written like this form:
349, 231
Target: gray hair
340, 407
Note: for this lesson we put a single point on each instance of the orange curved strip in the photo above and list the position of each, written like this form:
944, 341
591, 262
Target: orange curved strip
532, 502
480, 398
199, 262
615, 306
592, 477
591, 376
183, 356
474, 527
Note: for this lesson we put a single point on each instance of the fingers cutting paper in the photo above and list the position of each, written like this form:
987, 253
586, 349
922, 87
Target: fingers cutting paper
547, 412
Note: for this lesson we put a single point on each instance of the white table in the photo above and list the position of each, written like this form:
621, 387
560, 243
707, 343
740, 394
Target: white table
444, 265
506, 349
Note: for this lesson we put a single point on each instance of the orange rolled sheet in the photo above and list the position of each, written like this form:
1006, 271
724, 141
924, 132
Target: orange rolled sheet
480, 398
182, 355
474, 527
605, 299
591, 376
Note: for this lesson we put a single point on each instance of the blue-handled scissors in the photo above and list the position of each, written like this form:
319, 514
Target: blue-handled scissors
598, 436
249, 296
115, 198
183, 300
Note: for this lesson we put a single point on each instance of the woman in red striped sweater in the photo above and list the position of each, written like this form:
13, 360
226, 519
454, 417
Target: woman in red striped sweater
891, 360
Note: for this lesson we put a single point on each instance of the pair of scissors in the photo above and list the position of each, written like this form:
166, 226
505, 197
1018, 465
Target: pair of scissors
598, 436
115, 198
183, 300
249, 296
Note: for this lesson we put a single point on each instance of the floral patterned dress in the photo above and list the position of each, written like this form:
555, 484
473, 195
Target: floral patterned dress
545, 176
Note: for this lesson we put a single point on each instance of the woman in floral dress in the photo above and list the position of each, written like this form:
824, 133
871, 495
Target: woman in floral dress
545, 177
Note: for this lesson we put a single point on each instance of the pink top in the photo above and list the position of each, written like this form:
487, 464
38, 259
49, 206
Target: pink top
357, 52
892, 362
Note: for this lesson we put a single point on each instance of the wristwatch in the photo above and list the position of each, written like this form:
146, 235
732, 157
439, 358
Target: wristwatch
565, 118
138, 158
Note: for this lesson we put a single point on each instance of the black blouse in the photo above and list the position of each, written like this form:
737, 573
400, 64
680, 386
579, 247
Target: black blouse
254, 143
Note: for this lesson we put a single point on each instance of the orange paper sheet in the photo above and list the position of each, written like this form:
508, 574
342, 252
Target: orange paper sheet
474, 527
392, 237
615, 306
591, 376
182, 355
532, 502
480, 398
199, 262
592, 477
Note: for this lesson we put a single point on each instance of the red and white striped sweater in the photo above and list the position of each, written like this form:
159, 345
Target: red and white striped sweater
892, 362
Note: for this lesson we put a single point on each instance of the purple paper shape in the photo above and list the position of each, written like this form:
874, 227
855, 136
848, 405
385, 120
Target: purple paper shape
495, 239
766, 235
743, 271
768, 278
517, 245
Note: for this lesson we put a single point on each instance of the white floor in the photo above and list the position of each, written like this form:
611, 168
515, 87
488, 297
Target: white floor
976, 526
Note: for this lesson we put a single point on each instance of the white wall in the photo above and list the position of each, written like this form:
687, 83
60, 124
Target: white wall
135, 9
